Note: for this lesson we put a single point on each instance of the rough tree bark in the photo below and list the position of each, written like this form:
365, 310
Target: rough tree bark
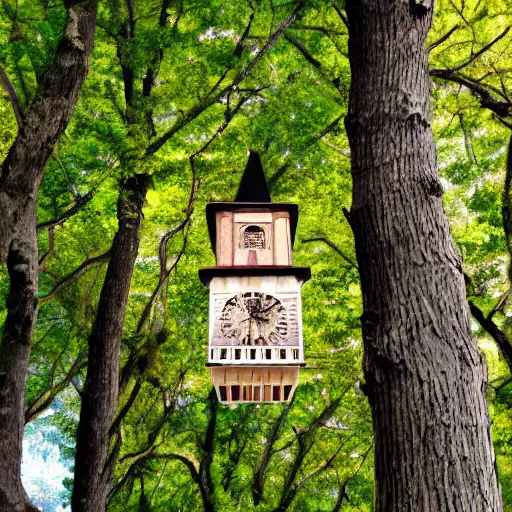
100, 394
21, 173
425, 376
506, 208
95, 456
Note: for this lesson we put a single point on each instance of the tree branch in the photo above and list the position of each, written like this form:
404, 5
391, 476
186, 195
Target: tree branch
73, 276
334, 247
44, 400
506, 207
343, 490
258, 482
502, 109
162, 252
240, 45
442, 39
51, 247
501, 339
210, 100
77, 205
303, 50
340, 13
475, 55
328, 129
13, 97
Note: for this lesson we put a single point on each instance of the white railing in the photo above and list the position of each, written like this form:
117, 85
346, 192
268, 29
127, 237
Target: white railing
253, 355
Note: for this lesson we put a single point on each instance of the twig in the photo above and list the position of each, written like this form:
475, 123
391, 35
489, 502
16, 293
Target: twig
325, 131
210, 100
303, 50
477, 54
334, 247
240, 45
51, 247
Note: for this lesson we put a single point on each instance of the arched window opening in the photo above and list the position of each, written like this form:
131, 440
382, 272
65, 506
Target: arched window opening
253, 238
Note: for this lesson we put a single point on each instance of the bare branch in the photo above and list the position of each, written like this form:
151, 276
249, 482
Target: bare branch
501, 339
305, 440
73, 276
51, 247
164, 272
502, 109
258, 482
477, 54
326, 465
303, 50
210, 100
334, 247
45, 399
13, 97
499, 305
343, 490
340, 13
470, 152
80, 201
318, 28
328, 129
506, 207
126, 407
240, 45
442, 39
76, 207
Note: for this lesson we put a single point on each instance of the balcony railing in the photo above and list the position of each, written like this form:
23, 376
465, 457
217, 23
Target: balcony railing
254, 355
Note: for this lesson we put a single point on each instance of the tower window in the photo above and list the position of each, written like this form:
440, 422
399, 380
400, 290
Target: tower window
253, 238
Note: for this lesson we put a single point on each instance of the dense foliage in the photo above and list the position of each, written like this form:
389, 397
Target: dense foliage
228, 79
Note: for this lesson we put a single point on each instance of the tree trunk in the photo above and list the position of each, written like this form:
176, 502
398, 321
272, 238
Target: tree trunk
206, 485
100, 395
425, 376
21, 174
506, 208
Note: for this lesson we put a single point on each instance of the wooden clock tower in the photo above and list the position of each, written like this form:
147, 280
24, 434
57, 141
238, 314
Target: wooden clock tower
255, 346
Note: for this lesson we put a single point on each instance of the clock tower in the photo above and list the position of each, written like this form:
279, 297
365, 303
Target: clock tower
255, 347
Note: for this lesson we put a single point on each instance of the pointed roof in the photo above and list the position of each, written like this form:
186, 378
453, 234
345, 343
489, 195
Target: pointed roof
253, 195
253, 187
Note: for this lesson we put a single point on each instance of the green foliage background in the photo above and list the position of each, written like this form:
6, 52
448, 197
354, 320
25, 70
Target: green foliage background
291, 102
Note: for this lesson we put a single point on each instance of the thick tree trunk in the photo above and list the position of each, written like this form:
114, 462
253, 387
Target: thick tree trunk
100, 395
425, 376
21, 174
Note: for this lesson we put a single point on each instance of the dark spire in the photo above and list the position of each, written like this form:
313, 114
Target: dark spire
253, 187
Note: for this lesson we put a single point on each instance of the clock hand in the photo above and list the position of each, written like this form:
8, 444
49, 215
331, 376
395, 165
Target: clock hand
270, 307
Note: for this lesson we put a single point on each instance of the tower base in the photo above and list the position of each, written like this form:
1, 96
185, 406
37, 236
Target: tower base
255, 384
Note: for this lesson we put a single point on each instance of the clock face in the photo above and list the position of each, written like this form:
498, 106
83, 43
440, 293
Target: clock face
254, 318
